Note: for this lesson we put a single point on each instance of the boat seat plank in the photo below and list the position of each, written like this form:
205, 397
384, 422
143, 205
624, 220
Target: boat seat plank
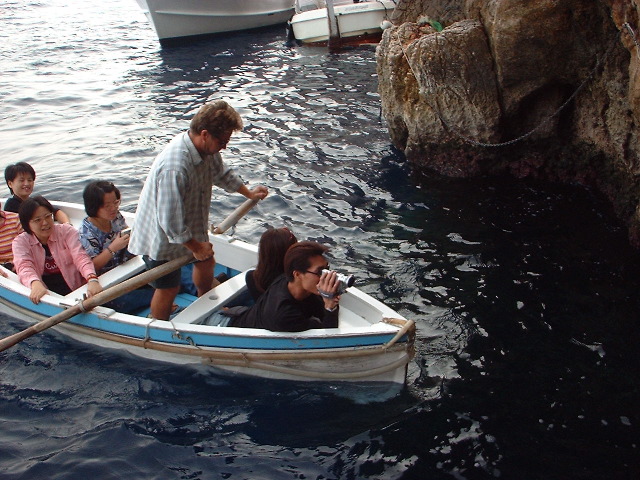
10, 275
213, 300
123, 271
113, 277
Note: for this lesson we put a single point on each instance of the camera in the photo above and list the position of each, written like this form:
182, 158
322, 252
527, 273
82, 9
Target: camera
125, 231
344, 281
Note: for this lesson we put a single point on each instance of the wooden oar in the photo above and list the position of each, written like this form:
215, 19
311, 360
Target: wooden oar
233, 218
99, 299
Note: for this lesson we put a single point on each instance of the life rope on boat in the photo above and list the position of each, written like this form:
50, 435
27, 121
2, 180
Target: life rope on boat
258, 360
471, 141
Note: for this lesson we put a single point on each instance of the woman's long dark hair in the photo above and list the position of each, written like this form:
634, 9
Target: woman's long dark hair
274, 243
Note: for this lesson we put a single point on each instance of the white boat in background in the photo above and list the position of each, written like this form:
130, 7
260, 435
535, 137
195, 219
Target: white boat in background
176, 19
372, 344
319, 21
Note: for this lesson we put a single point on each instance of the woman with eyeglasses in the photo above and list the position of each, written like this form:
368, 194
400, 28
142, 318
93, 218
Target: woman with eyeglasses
100, 232
102, 236
49, 256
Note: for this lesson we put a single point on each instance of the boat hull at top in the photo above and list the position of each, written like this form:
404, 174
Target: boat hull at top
353, 20
173, 19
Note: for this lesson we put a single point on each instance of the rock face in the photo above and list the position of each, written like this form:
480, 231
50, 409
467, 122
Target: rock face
538, 88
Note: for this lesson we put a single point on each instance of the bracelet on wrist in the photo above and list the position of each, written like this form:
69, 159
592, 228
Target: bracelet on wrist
113, 254
93, 279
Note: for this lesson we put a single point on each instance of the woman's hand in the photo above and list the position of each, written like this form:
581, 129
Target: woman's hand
38, 290
93, 288
119, 242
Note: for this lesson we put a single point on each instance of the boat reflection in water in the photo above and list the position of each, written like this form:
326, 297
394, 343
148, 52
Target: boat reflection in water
174, 20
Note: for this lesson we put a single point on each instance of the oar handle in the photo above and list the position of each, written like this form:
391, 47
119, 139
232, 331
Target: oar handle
233, 218
408, 325
98, 299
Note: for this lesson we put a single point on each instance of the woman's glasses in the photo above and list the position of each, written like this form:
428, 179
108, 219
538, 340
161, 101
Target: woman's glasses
47, 217
115, 204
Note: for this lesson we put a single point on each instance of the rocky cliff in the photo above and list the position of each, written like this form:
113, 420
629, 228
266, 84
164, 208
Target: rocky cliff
537, 88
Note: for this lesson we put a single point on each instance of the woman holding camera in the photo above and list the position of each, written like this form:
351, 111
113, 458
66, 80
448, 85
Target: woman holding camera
105, 237
101, 232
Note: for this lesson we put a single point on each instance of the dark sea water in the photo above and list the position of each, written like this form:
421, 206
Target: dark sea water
525, 295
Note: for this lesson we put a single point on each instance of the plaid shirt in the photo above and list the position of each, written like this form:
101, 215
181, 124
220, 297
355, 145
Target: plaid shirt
175, 200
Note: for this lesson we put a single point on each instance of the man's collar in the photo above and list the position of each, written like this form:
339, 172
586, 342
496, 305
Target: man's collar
196, 157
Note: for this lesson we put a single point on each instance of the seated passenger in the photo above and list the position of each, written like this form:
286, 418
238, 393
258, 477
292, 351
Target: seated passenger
274, 243
10, 228
102, 238
303, 298
100, 231
49, 256
21, 178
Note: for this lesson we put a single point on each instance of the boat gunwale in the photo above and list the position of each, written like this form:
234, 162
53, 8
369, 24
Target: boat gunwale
219, 15
206, 336
280, 354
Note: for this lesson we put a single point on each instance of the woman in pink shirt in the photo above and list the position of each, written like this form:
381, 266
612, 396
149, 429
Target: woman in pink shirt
49, 256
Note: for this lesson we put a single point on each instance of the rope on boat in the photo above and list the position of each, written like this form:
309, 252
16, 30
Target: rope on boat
147, 337
81, 305
244, 359
471, 141
176, 334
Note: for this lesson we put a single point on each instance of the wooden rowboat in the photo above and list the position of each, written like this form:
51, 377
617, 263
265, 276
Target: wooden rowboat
372, 343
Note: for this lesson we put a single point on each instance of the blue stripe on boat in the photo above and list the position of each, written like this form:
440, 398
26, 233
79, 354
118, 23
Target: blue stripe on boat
141, 332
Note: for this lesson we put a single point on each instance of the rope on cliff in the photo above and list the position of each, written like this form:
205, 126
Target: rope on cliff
540, 125
633, 35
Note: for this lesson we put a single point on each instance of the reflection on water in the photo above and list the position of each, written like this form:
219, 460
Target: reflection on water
525, 295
